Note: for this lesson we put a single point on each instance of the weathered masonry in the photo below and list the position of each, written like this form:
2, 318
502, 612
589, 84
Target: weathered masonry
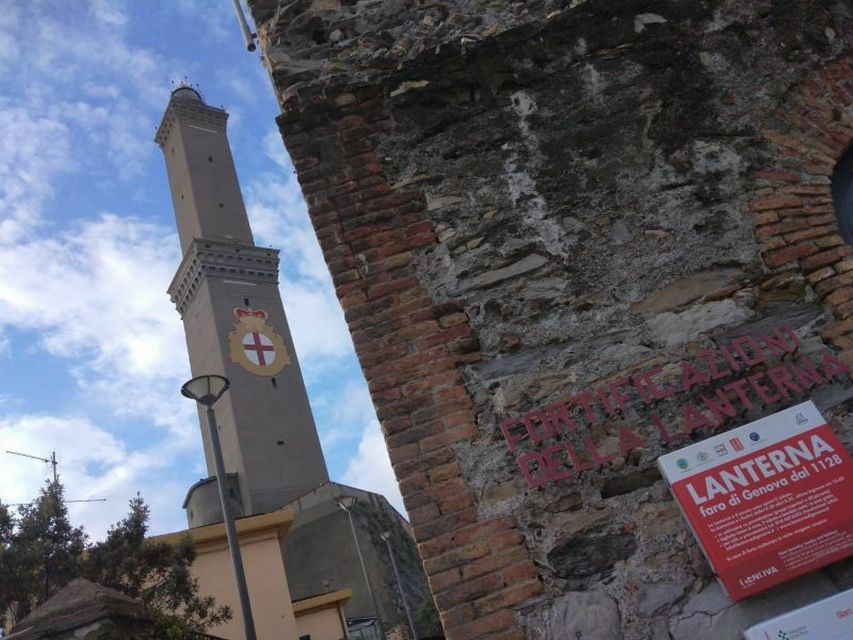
570, 236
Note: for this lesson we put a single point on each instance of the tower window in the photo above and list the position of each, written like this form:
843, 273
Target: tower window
279, 442
274, 383
221, 205
246, 301
210, 158
842, 194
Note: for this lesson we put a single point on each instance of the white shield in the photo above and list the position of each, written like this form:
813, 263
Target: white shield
258, 349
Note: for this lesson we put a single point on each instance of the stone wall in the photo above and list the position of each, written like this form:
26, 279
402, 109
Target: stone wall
313, 568
534, 213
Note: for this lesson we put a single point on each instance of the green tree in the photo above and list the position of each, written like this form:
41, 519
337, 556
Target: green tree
158, 575
7, 574
41, 552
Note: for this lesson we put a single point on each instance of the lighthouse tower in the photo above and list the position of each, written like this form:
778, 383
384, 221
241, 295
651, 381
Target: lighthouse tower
226, 291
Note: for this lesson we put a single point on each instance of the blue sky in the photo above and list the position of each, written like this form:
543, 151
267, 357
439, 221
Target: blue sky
92, 353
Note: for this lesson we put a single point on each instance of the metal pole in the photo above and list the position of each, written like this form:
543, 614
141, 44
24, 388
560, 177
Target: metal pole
364, 571
248, 36
400, 587
230, 529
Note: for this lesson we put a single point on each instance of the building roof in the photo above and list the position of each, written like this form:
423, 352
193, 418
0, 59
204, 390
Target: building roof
279, 521
78, 603
322, 601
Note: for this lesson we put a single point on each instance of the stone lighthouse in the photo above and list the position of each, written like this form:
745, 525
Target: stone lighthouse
226, 291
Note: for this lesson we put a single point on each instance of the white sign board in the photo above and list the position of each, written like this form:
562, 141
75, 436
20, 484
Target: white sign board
829, 619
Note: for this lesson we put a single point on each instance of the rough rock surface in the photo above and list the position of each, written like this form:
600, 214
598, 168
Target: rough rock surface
710, 615
560, 195
586, 616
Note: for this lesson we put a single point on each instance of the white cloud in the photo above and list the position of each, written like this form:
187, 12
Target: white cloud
33, 149
240, 86
218, 24
345, 411
316, 322
279, 219
102, 91
95, 295
80, 88
69, 53
93, 463
112, 127
275, 150
81, 94
370, 468
11, 40
109, 12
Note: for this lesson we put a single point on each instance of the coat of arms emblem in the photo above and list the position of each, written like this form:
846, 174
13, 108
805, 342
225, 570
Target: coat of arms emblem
254, 345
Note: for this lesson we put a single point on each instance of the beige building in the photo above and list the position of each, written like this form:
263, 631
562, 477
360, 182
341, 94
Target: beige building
276, 616
314, 617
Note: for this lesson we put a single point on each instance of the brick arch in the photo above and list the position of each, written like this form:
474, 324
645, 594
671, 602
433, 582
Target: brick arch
792, 208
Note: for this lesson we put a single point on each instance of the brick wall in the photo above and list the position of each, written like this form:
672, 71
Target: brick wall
792, 209
410, 349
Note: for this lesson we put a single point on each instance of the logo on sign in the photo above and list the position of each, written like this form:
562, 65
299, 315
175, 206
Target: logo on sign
682, 464
758, 576
702, 456
793, 634
721, 450
737, 445
801, 419
754, 436
255, 345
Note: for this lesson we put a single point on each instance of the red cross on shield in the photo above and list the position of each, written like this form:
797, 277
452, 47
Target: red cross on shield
259, 349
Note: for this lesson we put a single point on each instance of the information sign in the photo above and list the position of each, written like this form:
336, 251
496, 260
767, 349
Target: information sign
767, 501
829, 619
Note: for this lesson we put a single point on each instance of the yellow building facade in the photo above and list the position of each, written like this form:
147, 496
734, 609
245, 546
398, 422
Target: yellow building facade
276, 617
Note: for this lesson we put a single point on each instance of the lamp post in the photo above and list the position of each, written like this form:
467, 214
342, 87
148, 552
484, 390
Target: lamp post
346, 503
206, 390
386, 535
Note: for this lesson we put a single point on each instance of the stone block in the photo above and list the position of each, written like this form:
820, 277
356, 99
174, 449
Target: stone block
578, 615
711, 615
686, 290
489, 278
587, 558
653, 599
675, 329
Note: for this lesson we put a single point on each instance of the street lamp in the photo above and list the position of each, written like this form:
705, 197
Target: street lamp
386, 535
346, 503
206, 390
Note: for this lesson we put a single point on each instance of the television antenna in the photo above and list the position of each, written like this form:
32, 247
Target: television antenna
53, 463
